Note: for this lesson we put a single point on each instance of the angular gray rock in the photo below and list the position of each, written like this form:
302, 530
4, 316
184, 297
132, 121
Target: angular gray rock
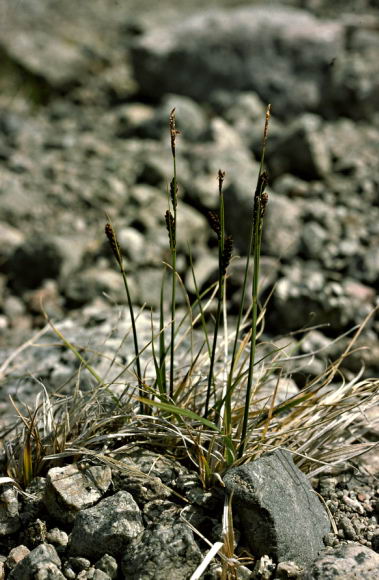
42, 563
279, 512
257, 48
164, 552
351, 561
70, 489
9, 510
301, 150
107, 528
282, 227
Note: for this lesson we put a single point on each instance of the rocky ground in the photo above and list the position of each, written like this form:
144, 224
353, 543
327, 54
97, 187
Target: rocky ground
85, 92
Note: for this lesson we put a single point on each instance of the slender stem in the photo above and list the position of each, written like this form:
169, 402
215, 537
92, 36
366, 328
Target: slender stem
260, 202
112, 238
259, 207
135, 339
162, 347
173, 289
221, 286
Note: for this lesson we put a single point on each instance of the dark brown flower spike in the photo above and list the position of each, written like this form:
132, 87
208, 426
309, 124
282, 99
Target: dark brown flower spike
214, 222
170, 225
112, 238
265, 132
174, 193
173, 130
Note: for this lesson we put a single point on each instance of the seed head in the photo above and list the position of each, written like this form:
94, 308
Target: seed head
173, 130
170, 225
113, 242
214, 222
174, 193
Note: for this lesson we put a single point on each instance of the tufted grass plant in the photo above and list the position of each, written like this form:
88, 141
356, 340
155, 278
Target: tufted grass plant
206, 402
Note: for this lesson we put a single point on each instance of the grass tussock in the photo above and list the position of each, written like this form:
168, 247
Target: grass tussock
194, 392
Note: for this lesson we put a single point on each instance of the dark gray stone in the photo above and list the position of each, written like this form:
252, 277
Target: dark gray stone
349, 561
301, 150
107, 528
34, 261
164, 552
279, 512
41, 563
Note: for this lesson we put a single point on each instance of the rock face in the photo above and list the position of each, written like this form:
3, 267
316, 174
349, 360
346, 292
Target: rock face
279, 512
250, 48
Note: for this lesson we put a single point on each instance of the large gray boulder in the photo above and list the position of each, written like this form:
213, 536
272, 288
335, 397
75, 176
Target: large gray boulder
279, 512
281, 53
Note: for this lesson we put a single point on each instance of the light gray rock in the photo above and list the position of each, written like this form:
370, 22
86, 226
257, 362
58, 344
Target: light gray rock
301, 150
250, 48
71, 489
351, 561
288, 571
191, 120
90, 283
164, 552
42, 563
108, 565
58, 538
107, 528
9, 510
282, 227
279, 512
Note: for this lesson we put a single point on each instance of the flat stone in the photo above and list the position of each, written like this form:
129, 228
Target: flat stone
70, 489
